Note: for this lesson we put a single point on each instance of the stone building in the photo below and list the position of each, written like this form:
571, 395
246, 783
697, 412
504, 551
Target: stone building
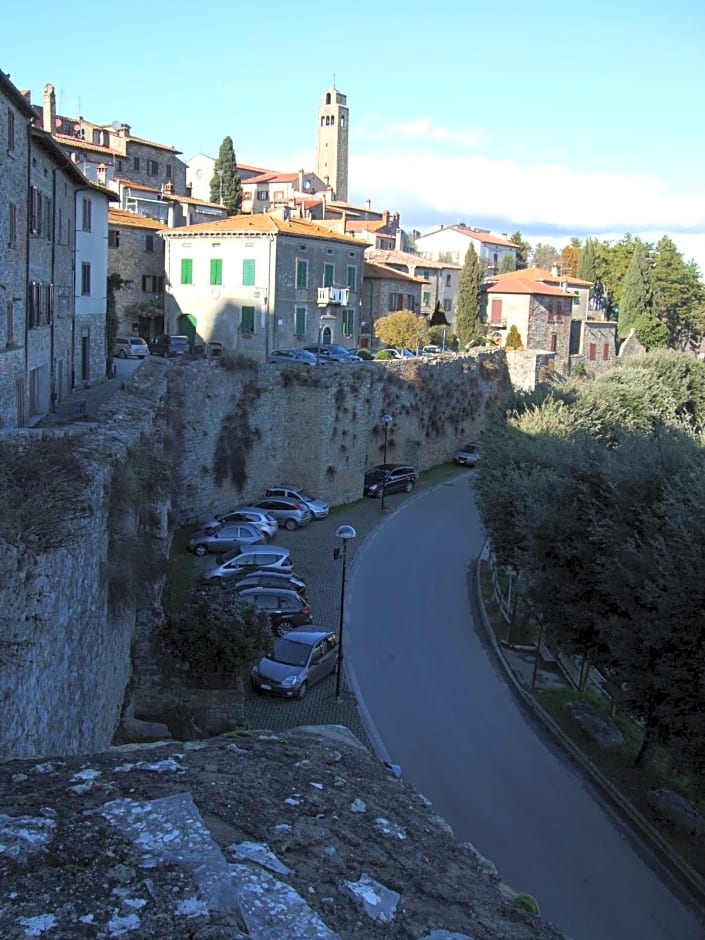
386, 290
136, 261
15, 117
442, 277
331, 163
255, 283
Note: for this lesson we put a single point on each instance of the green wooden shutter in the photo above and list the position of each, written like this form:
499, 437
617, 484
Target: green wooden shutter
186, 271
328, 275
216, 270
248, 272
300, 318
352, 277
348, 322
301, 275
247, 324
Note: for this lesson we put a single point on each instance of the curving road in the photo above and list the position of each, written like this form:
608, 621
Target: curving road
442, 710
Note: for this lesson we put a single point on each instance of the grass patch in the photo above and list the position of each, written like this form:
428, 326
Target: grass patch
181, 576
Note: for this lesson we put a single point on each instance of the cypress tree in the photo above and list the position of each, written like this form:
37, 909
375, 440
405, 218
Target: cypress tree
586, 262
635, 301
467, 318
226, 187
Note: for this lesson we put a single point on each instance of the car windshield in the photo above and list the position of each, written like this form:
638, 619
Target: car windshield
178, 341
290, 653
373, 475
228, 556
304, 495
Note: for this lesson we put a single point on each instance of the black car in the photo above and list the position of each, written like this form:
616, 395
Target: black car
170, 346
389, 478
286, 609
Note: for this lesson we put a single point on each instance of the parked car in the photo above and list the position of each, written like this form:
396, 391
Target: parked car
238, 563
331, 352
224, 538
170, 346
267, 578
293, 357
130, 347
467, 455
265, 521
291, 513
286, 609
431, 350
299, 659
390, 478
318, 507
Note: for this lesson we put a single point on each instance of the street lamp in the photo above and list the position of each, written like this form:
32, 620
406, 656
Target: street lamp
386, 421
343, 532
324, 317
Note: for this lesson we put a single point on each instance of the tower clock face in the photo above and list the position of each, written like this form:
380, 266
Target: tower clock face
199, 174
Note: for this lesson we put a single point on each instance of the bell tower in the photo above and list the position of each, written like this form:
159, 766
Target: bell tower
332, 142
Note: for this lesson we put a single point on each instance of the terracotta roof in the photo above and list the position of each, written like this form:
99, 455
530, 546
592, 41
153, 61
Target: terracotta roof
128, 184
382, 272
111, 194
367, 225
541, 274
386, 256
262, 224
190, 201
487, 238
270, 176
151, 143
78, 143
520, 285
132, 220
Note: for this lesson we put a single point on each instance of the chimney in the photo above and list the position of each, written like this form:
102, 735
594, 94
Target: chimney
368, 203
301, 181
49, 110
101, 172
385, 217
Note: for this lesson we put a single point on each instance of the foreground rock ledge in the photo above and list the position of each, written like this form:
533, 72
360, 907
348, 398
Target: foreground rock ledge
260, 835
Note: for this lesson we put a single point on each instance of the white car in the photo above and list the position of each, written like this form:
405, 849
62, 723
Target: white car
130, 347
467, 455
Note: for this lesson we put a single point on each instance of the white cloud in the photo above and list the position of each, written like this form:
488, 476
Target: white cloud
421, 130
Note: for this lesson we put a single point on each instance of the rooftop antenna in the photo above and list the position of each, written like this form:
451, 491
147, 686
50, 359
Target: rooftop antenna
333, 79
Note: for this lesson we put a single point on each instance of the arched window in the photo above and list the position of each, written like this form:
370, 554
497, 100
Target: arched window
332, 119
342, 120
328, 98
327, 120
323, 120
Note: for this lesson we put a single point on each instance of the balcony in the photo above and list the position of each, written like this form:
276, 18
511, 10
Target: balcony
333, 295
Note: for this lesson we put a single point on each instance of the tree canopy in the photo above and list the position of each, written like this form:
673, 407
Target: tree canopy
467, 316
595, 494
226, 187
402, 329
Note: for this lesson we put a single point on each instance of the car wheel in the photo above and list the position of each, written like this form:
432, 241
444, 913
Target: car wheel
409, 486
303, 689
290, 524
255, 687
200, 550
122, 354
284, 626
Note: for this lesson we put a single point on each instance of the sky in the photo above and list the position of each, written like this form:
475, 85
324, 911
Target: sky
557, 120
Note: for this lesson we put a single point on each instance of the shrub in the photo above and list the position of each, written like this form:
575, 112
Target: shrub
528, 902
364, 353
384, 354
513, 339
216, 632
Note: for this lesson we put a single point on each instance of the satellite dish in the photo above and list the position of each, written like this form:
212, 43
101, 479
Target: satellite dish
116, 125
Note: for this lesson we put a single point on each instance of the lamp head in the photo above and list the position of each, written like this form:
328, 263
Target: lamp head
345, 532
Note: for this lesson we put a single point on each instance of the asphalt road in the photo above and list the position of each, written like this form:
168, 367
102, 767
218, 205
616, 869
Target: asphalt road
443, 711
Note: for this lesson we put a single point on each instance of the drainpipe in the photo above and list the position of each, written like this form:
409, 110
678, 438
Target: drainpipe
26, 279
269, 306
52, 377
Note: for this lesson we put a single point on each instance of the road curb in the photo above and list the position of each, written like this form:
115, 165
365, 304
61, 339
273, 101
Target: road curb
693, 883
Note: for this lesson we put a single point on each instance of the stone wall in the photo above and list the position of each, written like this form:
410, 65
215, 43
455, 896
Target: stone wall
74, 618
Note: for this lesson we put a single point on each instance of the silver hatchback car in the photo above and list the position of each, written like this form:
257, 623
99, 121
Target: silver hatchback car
318, 507
265, 521
237, 564
291, 513
224, 538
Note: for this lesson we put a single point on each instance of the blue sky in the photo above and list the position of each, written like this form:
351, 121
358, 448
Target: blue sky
560, 120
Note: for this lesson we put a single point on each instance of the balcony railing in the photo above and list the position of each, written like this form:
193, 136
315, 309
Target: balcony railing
333, 295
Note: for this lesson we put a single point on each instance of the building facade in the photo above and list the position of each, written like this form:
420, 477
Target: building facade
256, 283
386, 290
451, 243
441, 279
332, 131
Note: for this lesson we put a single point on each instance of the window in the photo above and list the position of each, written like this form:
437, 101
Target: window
216, 270
151, 284
446, 304
554, 342
167, 169
41, 304
35, 211
348, 322
12, 233
247, 323
426, 298
323, 121
496, 310
135, 163
87, 215
592, 353
396, 301
300, 321
85, 278
96, 136
186, 271
149, 243
152, 168
342, 120
352, 278
301, 274
328, 275
448, 280
114, 238
9, 325
263, 194
10, 130
606, 351
410, 303
118, 165
248, 272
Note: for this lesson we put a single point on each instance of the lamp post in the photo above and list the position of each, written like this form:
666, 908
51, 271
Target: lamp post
343, 532
386, 421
